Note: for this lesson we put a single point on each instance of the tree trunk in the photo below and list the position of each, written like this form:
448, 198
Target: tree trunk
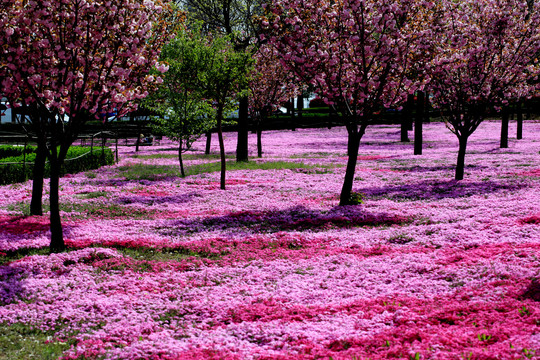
300, 104
38, 176
504, 128
180, 159
242, 143
460, 167
519, 116
426, 108
352, 151
290, 109
410, 107
221, 147
291, 113
259, 142
138, 142
418, 123
57, 237
406, 119
208, 142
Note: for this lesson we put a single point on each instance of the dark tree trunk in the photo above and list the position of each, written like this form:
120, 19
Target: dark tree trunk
418, 123
38, 175
138, 142
292, 114
180, 161
57, 237
208, 142
519, 116
426, 108
410, 107
300, 104
460, 167
221, 147
404, 132
290, 108
352, 150
242, 143
259, 142
406, 119
504, 128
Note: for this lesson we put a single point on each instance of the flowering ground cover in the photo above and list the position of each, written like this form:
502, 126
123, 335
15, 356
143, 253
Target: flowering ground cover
166, 267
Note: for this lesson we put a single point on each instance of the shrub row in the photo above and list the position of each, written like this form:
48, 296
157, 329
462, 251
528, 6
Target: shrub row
13, 169
10, 151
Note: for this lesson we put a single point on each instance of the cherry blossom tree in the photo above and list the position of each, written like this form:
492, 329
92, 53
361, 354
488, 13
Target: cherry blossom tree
71, 60
270, 85
356, 53
485, 51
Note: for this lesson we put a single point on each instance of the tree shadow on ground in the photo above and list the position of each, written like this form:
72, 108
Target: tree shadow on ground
297, 218
19, 225
532, 292
157, 199
12, 282
118, 182
436, 189
440, 168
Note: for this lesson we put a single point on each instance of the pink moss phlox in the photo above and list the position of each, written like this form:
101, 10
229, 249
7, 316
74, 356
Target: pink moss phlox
19, 225
150, 192
457, 279
367, 157
477, 254
301, 218
531, 173
533, 219
371, 170
328, 222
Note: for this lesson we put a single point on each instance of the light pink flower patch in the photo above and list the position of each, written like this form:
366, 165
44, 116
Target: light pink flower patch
367, 157
151, 192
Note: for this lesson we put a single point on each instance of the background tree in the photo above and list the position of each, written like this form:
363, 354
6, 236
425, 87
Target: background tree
270, 85
74, 59
356, 54
235, 18
223, 78
184, 113
483, 53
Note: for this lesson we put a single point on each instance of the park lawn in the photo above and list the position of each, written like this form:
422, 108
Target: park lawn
165, 267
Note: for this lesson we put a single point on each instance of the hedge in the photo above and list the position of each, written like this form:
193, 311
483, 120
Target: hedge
78, 159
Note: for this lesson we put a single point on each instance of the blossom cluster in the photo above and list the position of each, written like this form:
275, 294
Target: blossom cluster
74, 56
355, 53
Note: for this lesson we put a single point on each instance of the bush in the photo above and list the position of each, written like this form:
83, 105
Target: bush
356, 198
14, 151
78, 159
